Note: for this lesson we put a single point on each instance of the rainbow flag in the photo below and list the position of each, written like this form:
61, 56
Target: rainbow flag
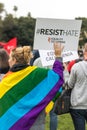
25, 93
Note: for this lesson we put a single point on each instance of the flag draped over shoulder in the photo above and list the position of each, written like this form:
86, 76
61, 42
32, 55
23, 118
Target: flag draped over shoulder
25, 93
9, 45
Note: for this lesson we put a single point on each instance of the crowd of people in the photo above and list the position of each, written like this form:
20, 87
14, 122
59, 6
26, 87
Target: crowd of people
26, 88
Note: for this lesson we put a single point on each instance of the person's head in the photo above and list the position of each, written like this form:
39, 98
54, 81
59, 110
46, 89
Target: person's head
35, 56
85, 47
85, 51
80, 53
20, 55
4, 64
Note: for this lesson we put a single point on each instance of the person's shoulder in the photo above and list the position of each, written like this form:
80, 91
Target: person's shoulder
76, 65
38, 62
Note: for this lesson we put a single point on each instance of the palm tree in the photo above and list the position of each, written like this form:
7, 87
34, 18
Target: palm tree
15, 8
29, 15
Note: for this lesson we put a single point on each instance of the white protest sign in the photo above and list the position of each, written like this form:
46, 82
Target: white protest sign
69, 56
48, 31
48, 57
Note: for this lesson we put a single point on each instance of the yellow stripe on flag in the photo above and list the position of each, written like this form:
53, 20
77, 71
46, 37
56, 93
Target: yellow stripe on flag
49, 107
9, 81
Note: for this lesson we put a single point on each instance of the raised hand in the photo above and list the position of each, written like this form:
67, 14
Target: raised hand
58, 48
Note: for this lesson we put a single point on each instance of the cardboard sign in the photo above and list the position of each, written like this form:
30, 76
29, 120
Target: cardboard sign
48, 31
48, 57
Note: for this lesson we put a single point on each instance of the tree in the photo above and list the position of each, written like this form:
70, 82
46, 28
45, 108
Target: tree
83, 34
1, 8
29, 15
26, 28
15, 8
10, 27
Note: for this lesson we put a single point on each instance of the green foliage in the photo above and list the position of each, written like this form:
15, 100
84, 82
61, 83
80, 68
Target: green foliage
83, 34
22, 28
26, 30
10, 28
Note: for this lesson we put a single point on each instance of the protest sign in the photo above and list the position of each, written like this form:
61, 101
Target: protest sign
48, 31
48, 57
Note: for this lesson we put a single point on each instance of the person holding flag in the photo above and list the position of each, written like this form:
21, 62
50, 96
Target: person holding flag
26, 90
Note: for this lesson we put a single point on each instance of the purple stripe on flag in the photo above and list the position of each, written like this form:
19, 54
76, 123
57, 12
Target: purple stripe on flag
58, 68
27, 120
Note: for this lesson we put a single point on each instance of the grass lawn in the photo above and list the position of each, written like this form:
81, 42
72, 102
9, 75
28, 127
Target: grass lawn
64, 122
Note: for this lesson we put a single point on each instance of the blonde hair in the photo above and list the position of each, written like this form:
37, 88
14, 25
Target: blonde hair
22, 54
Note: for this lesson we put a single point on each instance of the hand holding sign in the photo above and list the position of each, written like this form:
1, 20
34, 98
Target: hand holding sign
58, 48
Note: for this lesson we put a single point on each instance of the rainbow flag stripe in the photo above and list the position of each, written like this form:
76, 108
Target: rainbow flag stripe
24, 94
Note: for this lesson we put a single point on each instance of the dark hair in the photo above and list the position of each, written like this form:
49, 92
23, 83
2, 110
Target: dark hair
4, 64
80, 53
36, 55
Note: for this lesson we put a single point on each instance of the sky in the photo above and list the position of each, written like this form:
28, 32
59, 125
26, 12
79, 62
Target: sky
58, 9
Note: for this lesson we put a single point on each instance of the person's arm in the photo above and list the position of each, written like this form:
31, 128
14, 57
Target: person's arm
58, 65
72, 78
58, 68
